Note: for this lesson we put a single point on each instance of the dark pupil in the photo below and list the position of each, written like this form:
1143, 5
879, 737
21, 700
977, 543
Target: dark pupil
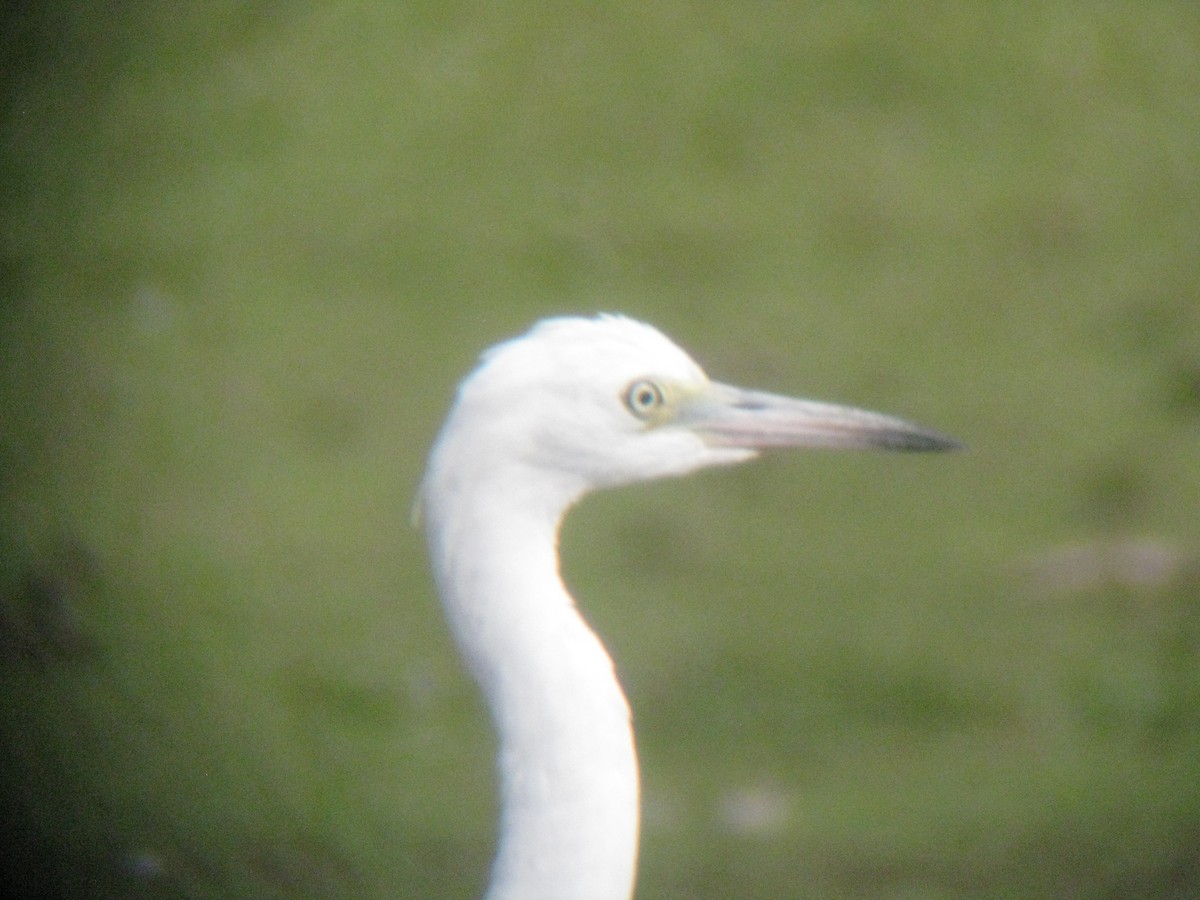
645, 397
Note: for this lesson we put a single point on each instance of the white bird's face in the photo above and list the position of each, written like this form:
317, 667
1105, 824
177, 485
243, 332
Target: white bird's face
597, 399
591, 403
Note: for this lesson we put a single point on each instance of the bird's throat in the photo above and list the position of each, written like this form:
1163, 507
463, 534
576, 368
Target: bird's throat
567, 764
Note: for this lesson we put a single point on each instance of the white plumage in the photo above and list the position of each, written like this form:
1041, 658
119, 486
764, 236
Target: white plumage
574, 405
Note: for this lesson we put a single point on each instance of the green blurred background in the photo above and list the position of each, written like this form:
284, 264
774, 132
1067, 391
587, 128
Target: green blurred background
249, 247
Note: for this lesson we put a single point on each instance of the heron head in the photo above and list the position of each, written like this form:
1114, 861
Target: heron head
609, 400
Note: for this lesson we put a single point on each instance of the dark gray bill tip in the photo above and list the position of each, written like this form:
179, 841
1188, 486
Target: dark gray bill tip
914, 440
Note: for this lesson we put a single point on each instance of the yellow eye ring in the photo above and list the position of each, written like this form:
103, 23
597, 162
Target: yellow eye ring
644, 398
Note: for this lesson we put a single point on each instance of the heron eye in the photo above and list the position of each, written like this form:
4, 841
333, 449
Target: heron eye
644, 398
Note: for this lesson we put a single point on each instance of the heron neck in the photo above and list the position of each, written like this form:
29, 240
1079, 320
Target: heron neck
567, 764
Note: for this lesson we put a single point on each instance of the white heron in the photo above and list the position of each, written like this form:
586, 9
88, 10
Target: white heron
574, 405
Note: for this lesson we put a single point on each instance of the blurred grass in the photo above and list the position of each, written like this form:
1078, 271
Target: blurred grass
248, 248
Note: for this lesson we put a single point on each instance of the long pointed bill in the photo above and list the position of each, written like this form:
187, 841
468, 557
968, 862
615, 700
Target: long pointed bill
755, 420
